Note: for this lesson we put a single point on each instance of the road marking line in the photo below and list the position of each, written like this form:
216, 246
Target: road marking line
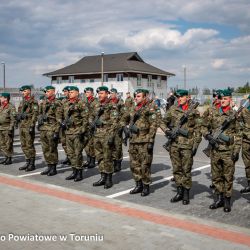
168, 220
155, 182
37, 173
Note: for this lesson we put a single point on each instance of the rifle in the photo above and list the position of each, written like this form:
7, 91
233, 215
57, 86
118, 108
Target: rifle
43, 117
218, 136
175, 132
22, 115
95, 121
67, 122
132, 128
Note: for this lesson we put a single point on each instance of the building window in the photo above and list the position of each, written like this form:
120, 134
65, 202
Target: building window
159, 82
59, 80
92, 80
82, 81
71, 79
119, 77
139, 77
105, 77
149, 80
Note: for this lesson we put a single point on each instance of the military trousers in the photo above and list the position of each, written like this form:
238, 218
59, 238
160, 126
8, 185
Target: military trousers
49, 147
6, 145
74, 150
117, 153
27, 138
63, 141
246, 157
140, 162
90, 148
222, 168
103, 154
182, 162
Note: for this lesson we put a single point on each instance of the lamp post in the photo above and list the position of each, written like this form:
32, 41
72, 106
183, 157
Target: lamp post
185, 76
102, 67
3, 63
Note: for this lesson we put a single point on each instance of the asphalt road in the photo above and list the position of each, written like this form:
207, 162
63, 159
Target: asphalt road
162, 189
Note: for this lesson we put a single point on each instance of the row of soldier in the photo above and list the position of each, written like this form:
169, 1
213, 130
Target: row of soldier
98, 126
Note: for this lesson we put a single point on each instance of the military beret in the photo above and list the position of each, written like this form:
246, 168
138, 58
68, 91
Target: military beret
66, 88
113, 90
48, 88
7, 95
145, 91
181, 92
226, 92
73, 88
41, 97
102, 88
24, 87
88, 89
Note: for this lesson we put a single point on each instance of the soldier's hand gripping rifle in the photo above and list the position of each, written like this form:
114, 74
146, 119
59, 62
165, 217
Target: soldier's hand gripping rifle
132, 128
67, 122
218, 136
43, 117
21, 115
178, 130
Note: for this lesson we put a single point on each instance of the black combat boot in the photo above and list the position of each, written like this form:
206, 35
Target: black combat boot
227, 205
4, 160
246, 189
185, 200
212, 186
117, 166
72, 176
78, 175
138, 188
218, 202
87, 162
179, 195
101, 181
145, 190
66, 161
92, 162
52, 170
108, 182
8, 161
31, 166
47, 170
26, 165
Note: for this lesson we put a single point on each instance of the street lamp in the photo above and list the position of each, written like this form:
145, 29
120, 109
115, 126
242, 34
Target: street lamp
185, 76
3, 63
102, 67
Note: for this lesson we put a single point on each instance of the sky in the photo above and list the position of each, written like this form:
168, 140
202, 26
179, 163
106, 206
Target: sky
210, 38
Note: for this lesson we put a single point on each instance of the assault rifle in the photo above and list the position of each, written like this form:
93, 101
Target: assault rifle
43, 117
218, 136
22, 115
178, 130
67, 122
95, 121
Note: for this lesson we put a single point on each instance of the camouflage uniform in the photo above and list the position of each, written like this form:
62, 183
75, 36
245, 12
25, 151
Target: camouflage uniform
7, 122
76, 125
90, 149
117, 154
50, 113
129, 102
245, 124
141, 145
181, 150
223, 156
28, 107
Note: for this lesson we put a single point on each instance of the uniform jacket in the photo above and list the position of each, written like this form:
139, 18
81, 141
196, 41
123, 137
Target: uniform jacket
7, 117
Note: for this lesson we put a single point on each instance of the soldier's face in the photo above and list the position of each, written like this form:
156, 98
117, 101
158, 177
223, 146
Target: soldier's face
113, 95
88, 93
182, 100
50, 92
102, 95
139, 98
226, 101
26, 92
66, 93
3, 99
73, 94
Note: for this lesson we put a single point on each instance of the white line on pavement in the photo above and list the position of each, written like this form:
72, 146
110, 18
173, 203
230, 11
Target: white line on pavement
155, 182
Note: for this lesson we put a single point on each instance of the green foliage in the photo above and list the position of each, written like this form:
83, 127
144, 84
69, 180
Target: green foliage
244, 89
